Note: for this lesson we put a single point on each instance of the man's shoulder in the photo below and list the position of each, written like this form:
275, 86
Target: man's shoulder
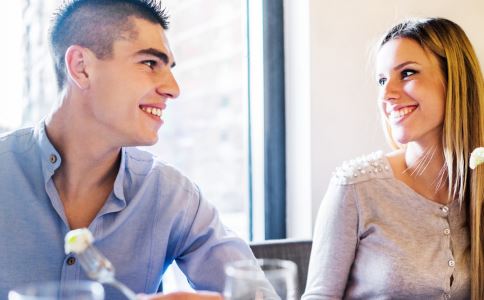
143, 162
17, 141
146, 164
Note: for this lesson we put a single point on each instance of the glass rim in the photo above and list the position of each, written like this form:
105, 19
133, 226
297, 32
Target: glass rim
25, 291
245, 268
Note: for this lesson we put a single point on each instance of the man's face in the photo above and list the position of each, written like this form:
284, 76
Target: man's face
128, 92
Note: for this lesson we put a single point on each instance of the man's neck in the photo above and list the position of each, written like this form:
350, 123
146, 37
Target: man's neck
86, 176
88, 161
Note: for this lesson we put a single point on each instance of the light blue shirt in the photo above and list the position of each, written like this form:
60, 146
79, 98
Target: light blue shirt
154, 215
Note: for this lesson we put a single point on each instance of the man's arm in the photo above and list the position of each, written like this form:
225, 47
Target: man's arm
207, 247
183, 296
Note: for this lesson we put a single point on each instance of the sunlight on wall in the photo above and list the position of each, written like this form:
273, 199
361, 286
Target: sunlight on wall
11, 102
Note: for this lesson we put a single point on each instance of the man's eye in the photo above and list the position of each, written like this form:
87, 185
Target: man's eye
150, 63
381, 81
407, 73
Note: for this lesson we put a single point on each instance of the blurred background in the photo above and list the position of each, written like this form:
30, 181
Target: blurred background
274, 95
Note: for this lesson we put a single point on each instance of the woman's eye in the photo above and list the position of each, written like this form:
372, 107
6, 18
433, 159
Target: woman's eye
407, 73
381, 81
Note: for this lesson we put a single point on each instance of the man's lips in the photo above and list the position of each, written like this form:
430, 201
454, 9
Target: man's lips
153, 109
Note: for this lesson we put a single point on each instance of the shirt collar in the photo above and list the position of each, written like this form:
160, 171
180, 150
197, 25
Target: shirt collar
119, 181
50, 157
117, 201
51, 160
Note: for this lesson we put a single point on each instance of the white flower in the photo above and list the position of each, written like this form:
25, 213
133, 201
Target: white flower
477, 157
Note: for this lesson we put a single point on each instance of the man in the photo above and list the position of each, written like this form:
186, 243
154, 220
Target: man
77, 168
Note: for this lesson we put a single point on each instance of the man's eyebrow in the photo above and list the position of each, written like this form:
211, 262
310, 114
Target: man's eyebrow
161, 55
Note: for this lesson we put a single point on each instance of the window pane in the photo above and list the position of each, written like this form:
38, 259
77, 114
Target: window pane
11, 77
205, 130
29, 81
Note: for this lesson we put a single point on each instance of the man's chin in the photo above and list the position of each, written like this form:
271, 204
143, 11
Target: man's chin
143, 142
150, 142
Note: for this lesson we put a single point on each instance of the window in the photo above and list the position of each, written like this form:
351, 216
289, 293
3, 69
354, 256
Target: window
205, 130
205, 133
213, 133
11, 78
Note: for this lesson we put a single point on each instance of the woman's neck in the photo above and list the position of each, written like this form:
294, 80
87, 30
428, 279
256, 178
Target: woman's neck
425, 169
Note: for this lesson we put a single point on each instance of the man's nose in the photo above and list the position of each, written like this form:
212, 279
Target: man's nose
168, 86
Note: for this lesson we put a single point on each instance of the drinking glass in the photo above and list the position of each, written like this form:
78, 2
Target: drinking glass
70, 290
261, 279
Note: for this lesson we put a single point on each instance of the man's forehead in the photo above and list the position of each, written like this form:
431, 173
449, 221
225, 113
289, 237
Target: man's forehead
145, 35
147, 28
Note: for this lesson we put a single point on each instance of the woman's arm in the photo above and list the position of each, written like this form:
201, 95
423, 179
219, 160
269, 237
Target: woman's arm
334, 243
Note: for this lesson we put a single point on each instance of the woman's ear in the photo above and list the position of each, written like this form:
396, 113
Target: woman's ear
75, 61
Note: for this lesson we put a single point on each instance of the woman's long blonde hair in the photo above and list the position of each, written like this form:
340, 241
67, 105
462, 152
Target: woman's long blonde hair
463, 128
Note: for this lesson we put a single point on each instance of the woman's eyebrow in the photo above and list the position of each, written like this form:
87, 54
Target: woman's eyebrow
399, 66
404, 64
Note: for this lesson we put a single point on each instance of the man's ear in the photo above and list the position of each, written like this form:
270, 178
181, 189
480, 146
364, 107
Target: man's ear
75, 60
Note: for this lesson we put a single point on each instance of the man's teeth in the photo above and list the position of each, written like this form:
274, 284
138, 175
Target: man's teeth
401, 112
152, 110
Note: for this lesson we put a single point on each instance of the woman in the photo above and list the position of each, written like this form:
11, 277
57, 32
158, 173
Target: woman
408, 224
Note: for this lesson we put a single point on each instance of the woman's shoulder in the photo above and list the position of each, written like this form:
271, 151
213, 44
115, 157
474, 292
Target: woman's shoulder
364, 168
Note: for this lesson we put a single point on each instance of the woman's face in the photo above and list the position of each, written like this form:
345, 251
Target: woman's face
412, 91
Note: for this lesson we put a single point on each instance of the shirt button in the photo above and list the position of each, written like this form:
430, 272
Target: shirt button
446, 231
451, 263
71, 260
446, 296
445, 209
53, 158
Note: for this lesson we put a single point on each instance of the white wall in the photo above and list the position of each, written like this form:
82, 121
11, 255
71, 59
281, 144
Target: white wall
338, 119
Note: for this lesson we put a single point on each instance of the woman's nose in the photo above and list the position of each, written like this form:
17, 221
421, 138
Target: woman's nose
391, 90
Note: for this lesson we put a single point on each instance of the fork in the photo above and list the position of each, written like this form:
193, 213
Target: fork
99, 268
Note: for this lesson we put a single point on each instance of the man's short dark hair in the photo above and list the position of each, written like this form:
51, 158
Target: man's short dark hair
96, 24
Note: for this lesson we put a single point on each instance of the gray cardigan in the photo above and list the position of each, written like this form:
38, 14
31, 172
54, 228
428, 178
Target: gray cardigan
376, 238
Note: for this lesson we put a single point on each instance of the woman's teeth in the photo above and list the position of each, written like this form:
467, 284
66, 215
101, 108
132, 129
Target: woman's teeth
401, 112
152, 110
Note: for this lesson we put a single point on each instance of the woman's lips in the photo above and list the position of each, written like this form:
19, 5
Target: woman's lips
396, 115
